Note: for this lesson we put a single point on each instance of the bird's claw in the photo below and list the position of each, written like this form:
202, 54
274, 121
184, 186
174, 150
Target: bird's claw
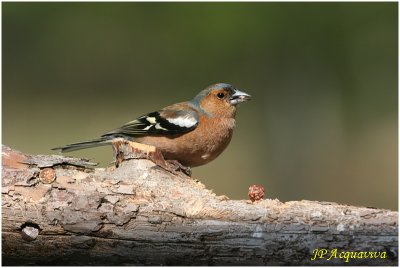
176, 166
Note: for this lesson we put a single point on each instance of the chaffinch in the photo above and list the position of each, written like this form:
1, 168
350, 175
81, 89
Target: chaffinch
193, 133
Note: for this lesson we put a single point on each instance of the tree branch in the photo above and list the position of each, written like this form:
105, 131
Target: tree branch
62, 211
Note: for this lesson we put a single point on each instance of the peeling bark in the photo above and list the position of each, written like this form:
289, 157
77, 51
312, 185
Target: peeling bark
62, 211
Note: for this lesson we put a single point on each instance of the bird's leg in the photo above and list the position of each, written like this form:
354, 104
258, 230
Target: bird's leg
177, 166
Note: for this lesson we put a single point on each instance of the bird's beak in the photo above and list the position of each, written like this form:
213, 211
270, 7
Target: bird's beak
239, 97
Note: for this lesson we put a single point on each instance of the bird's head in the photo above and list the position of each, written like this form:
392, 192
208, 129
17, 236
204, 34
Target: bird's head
220, 99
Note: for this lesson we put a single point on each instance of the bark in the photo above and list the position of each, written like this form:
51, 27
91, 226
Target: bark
62, 211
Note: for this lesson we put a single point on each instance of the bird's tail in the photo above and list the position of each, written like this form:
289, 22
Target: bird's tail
84, 145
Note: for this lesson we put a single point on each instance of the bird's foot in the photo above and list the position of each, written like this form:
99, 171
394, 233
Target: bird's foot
177, 166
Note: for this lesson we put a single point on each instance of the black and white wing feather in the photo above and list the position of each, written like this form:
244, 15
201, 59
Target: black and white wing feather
163, 122
172, 120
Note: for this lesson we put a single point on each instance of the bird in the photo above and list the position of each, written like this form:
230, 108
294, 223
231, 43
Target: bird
193, 133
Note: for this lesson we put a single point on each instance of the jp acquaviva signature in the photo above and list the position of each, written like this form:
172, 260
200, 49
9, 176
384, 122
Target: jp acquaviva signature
329, 254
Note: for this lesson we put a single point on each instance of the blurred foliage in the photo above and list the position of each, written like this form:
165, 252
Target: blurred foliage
323, 121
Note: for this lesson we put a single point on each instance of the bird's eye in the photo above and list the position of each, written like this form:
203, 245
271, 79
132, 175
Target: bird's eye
220, 95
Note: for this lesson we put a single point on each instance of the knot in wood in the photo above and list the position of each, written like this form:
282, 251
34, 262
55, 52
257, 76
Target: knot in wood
29, 233
47, 175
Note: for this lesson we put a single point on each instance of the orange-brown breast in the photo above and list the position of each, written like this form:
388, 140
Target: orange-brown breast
198, 147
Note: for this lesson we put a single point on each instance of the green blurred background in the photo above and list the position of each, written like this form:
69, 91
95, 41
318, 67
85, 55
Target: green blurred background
322, 124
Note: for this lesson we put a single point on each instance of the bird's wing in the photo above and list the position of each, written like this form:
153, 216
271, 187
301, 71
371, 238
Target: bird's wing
172, 120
